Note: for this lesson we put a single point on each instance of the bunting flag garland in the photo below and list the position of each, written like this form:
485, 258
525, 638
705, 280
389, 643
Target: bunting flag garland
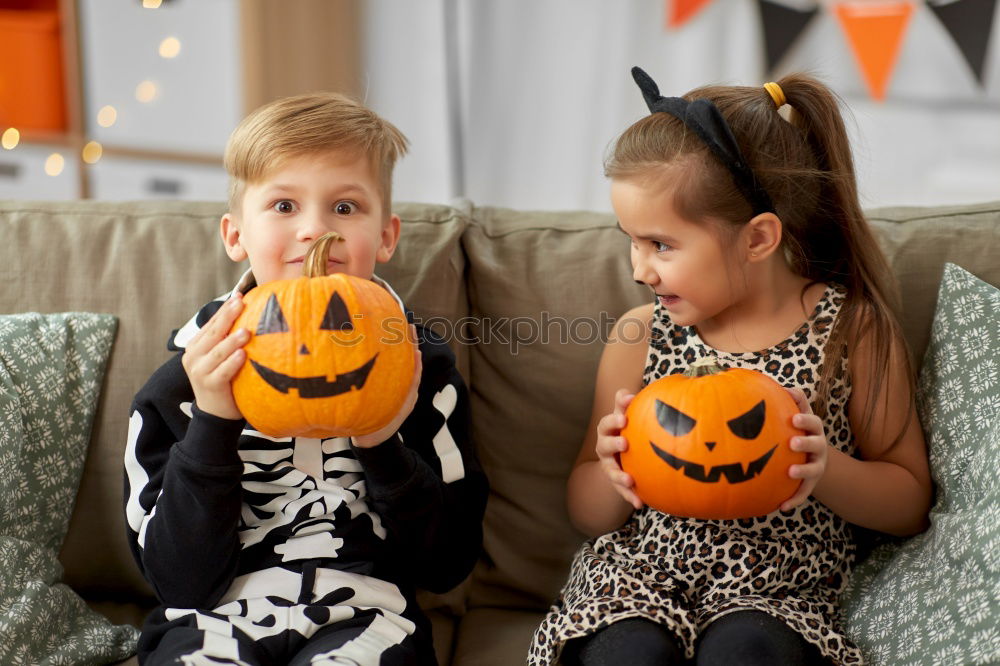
875, 33
680, 12
969, 23
782, 26
874, 30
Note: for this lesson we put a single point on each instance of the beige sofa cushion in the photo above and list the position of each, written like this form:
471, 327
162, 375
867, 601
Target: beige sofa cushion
918, 242
545, 290
428, 270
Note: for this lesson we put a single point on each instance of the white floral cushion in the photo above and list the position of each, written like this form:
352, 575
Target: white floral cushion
51, 367
935, 598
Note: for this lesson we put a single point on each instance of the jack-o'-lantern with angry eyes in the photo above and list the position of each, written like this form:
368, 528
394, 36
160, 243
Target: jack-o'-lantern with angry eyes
712, 443
328, 356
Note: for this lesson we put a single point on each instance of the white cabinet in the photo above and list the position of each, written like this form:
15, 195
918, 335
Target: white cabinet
187, 99
121, 178
23, 174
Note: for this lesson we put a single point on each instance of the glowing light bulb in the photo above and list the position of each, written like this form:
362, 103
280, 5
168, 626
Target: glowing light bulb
54, 164
170, 47
146, 92
107, 116
92, 152
151, 4
11, 137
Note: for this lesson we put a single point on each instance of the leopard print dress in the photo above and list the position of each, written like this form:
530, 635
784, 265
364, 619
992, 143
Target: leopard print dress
685, 573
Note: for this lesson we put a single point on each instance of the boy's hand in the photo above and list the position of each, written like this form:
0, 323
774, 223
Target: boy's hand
815, 446
379, 436
610, 443
212, 359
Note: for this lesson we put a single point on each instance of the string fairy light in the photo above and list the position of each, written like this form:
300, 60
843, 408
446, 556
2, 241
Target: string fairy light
146, 92
11, 137
170, 47
54, 164
107, 116
92, 152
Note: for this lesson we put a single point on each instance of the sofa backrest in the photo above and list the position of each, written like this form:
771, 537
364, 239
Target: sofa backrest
919, 240
525, 300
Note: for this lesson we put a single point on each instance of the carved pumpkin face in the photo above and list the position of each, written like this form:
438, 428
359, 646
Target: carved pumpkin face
328, 356
714, 446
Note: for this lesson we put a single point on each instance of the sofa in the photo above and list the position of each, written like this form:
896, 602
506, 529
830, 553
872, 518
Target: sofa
525, 299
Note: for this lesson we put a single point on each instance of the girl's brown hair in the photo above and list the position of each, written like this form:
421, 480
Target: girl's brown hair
805, 165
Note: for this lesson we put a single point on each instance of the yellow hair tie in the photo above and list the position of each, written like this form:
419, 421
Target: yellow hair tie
777, 94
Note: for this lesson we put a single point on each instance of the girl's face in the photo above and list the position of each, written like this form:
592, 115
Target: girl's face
684, 263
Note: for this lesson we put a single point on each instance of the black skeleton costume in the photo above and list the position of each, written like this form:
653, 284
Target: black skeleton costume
261, 548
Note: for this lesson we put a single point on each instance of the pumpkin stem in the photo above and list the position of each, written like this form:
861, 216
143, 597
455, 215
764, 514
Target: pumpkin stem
314, 264
703, 367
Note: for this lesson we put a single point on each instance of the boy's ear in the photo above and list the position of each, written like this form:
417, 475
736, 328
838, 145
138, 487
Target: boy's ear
231, 237
762, 236
388, 239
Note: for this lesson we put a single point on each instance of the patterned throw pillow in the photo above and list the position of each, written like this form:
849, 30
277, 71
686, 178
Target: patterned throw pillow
51, 367
935, 599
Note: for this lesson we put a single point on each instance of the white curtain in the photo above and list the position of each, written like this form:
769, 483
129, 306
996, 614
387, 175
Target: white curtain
515, 103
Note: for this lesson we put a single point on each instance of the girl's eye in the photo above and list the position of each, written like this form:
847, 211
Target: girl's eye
661, 247
284, 207
345, 208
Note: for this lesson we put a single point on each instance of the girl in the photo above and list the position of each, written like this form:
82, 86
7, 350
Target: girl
747, 227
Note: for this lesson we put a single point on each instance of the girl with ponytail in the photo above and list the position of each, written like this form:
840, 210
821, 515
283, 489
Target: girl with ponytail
741, 208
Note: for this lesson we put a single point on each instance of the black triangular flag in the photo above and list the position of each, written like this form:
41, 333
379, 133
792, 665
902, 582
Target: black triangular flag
782, 25
969, 22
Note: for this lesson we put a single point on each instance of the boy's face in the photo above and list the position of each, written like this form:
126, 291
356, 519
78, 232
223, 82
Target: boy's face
307, 196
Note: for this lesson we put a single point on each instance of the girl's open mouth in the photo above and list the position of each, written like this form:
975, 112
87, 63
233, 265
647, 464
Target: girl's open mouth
668, 300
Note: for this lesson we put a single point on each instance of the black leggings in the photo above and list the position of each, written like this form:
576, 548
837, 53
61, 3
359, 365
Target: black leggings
742, 638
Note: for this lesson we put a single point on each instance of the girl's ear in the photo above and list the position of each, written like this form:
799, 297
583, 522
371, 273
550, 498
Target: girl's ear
762, 236
230, 231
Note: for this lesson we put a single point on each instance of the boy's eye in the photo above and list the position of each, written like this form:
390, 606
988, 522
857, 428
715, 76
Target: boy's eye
284, 206
660, 247
344, 208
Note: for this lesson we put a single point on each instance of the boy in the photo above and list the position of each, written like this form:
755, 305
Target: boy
289, 550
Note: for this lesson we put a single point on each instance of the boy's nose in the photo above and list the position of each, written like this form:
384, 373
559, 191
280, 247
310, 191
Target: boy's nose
311, 228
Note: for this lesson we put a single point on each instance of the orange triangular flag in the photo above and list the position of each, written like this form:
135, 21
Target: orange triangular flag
680, 11
875, 32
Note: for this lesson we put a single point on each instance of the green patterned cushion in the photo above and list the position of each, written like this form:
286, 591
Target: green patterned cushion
51, 367
935, 599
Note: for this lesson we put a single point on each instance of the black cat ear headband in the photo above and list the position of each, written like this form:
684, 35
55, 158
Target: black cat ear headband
704, 118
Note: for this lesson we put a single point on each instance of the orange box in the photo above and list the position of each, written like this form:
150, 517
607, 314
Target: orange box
32, 90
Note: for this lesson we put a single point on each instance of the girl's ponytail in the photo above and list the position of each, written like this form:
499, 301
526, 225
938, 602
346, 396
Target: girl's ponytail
838, 244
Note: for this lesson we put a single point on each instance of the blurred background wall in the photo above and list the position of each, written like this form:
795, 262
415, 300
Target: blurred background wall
509, 103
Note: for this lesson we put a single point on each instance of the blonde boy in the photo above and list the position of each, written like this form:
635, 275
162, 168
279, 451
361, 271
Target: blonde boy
290, 550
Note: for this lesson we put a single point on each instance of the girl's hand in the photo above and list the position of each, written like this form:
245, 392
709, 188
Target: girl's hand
813, 444
610, 444
379, 436
212, 359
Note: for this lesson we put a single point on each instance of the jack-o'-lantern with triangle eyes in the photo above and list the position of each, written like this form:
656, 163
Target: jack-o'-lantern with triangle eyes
712, 443
328, 356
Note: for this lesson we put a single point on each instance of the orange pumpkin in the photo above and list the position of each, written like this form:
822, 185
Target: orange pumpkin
328, 356
712, 443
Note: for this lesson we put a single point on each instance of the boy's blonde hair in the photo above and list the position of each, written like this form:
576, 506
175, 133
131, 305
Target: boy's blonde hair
307, 124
